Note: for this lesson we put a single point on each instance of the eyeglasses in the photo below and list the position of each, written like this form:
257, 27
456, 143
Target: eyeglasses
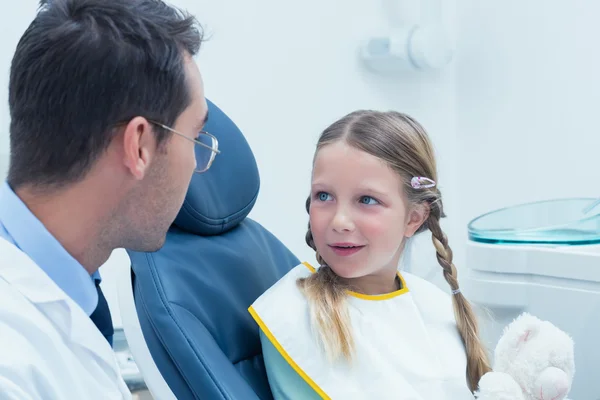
207, 150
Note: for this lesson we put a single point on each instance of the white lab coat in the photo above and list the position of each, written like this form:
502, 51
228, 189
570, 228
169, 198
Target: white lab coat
49, 347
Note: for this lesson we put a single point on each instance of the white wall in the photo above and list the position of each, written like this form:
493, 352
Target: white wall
528, 101
283, 71
13, 25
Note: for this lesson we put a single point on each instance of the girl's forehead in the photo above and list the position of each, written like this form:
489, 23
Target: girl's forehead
342, 153
341, 164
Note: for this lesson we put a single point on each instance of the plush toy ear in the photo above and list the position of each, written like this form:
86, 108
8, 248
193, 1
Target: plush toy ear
524, 337
527, 327
515, 340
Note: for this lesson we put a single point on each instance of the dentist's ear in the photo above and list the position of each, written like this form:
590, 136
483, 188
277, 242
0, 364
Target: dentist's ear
416, 217
139, 145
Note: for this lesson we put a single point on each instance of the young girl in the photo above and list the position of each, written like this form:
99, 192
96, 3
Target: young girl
356, 327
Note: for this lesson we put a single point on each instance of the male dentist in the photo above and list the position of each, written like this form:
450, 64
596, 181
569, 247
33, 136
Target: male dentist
107, 106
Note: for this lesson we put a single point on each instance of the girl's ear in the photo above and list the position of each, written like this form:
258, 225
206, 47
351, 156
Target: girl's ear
416, 217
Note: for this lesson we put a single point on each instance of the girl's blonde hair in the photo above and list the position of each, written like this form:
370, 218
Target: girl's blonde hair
402, 142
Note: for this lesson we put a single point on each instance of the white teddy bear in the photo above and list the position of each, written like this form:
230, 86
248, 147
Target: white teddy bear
534, 360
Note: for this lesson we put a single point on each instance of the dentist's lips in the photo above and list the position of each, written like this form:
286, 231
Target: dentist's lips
345, 249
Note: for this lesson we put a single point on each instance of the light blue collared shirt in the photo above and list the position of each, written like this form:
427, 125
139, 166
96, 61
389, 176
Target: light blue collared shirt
19, 226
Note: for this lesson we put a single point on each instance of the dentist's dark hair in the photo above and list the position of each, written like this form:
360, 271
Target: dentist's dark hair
403, 144
83, 66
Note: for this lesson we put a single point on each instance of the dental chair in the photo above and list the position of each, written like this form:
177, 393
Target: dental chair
192, 295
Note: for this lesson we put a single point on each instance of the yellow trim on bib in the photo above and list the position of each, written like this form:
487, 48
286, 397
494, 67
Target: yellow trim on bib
310, 267
286, 356
372, 297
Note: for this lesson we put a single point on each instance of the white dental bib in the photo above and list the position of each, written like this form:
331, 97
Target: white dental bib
407, 346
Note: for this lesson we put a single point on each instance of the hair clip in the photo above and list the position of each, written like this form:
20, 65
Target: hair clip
457, 291
420, 182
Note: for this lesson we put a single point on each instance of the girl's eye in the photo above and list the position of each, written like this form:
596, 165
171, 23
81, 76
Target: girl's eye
368, 200
322, 196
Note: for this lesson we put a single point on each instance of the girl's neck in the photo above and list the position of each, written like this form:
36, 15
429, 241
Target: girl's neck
380, 283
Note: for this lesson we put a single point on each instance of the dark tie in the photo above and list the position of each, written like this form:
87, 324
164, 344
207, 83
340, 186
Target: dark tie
101, 316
